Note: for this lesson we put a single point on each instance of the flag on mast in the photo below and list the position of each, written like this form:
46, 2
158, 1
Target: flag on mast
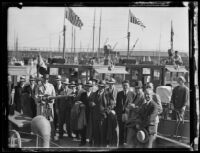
73, 18
135, 20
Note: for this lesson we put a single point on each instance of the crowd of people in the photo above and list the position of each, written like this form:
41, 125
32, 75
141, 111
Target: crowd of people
96, 110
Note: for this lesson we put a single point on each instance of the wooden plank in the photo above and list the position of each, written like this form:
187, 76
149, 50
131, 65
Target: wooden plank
19, 120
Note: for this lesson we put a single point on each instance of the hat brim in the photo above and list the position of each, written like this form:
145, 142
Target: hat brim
146, 136
110, 82
88, 85
66, 83
101, 85
22, 80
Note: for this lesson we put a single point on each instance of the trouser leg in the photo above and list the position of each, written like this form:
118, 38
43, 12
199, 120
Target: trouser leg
68, 122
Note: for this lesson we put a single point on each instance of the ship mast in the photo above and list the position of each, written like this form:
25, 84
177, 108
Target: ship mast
99, 33
128, 35
93, 32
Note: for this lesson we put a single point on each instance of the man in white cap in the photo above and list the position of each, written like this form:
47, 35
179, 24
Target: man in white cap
179, 99
19, 90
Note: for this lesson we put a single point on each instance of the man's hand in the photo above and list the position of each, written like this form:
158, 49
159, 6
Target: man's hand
131, 106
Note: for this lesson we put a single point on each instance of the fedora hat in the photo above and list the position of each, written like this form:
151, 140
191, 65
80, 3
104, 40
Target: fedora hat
102, 83
31, 78
138, 84
96, 80
111, 81
22, 79
142, 135
66, 81
72, 84
58, 77
89, 84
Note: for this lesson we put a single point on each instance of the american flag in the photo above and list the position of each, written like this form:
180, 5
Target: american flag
135, 20
73, 18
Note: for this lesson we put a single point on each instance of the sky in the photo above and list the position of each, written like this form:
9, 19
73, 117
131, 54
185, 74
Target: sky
42, 27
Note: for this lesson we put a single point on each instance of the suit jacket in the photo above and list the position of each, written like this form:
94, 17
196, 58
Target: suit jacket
58, 91
64, 103
111, 97
31, 91
17, 97
86, 101
148, 115
122, 102
102, 104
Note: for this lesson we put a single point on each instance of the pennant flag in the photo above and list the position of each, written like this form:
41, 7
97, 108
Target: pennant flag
41, 66
73, 18
135, 20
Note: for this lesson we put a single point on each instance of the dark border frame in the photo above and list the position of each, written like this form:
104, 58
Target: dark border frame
6, 5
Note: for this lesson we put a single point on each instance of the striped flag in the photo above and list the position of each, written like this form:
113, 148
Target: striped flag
135, 20
73, 18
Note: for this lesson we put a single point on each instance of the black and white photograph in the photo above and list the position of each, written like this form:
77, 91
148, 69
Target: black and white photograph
102, 77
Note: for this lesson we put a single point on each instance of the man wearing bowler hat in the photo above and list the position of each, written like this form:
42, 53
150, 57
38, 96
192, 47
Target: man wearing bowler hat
86, 98
19, 90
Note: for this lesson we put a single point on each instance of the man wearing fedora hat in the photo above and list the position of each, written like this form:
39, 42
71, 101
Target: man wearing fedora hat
179, 99
64, 108
86, 98
29, 100
58, 113
19, 90
99, 116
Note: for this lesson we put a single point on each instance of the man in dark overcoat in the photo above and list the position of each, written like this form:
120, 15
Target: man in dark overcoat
86, 98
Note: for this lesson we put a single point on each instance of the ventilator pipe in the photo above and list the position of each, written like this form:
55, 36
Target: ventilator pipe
41, 126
